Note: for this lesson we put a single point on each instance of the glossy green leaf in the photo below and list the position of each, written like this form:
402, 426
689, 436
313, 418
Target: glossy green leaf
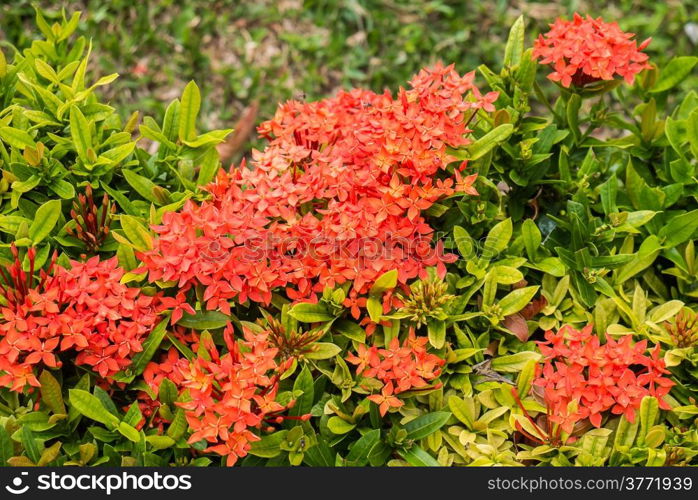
427, 424
674, 72
188, 112
310, 313
51, 393
136, 233
516, 300
417, 457
204, 320
359, 453
17, 138
80, 132
514, 48
91, 407
45, 220
513, 363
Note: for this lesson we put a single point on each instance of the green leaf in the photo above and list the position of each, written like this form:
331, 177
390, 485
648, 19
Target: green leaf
515, 43
167, 392
119, 153
526, 376
320, 455
362, 448
143, 186
350, 330
531, 237
374, 306
160, 442
151, 344
51, 393
45, 220
6, 446
80, 132
463, 410
513, 363
310, 313
609, 191
70, 27
26, 186
674, 72
188, 111
120, 199
572, 112
488, 141
679, 228
646, 255
268, 446
517, 300
303, 383
625, 433
323, 350
498, 239
425, 425
417, 457
386, 281
45, 70
463, 242
209, 138
30, 445
507, 275
170, 123
611, 261
129, 432
44, 26
136, 233
204, 320
178, 426
339, 426
649, 410
436, 330
210, 163
665, 311
91, 407
17, 138
62, 188
594, 441
134, 415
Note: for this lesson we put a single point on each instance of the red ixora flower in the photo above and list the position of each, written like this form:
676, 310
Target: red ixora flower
400, 368
583, 378
227, 395
84, 310
586, 50
337, 195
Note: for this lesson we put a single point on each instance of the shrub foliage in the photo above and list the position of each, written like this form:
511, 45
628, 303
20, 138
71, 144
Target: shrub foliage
449, 274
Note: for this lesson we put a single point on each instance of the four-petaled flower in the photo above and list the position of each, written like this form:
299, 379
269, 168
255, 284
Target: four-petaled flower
385, 400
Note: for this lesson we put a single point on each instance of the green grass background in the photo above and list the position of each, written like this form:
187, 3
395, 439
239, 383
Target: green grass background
270, 51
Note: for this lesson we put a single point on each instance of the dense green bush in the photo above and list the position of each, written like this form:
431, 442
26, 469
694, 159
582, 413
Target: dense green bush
439, 276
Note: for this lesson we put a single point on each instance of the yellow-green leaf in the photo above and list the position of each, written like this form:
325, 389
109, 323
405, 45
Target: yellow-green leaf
188, 111
45, 220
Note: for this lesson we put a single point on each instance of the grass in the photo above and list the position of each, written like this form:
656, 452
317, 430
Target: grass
269, 51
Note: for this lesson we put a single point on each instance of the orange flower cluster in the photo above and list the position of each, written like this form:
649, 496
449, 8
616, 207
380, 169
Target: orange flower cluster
336, 196
84, 309
229, 394
583, 378
583, 50
399, 367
